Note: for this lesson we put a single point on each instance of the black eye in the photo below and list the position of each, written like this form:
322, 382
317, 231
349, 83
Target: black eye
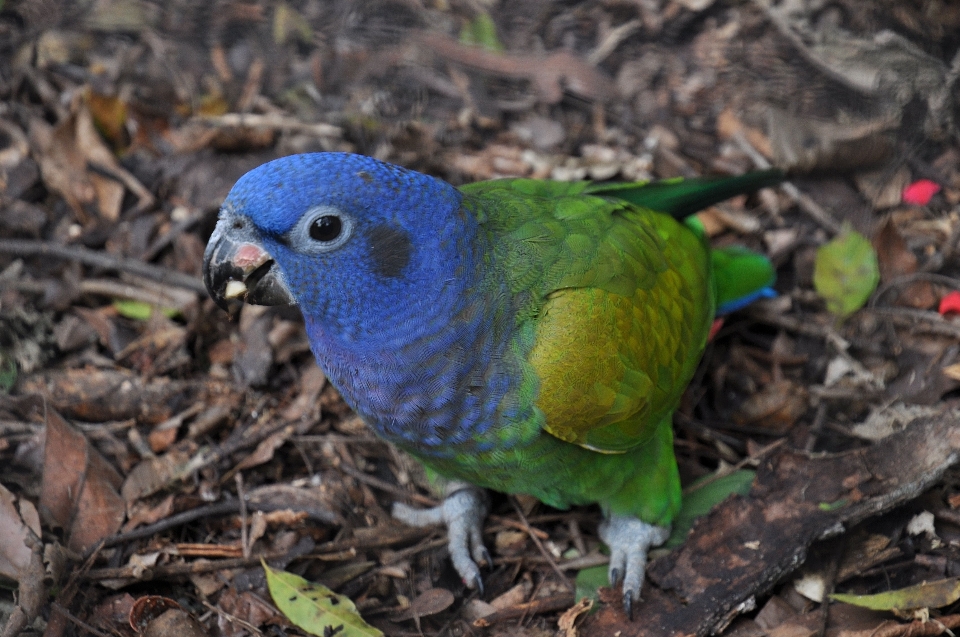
326, 228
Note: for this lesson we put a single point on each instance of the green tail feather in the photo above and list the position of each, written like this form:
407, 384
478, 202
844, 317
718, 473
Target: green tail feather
680, 197
741, 276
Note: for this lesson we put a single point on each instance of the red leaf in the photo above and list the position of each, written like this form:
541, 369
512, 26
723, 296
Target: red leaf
950, 304
920, 192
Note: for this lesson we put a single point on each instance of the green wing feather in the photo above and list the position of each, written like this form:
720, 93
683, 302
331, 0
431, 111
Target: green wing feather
621, 305
613, 303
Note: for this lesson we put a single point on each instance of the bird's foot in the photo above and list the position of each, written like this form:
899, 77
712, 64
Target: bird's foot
629, 539
463, 510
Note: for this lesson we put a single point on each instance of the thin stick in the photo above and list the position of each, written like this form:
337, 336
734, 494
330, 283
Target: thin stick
32, 248
539, 544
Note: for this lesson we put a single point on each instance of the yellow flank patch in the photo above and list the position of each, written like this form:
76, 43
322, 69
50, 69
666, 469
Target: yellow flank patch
590, 361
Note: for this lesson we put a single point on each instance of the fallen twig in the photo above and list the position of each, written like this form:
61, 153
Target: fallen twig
33, 248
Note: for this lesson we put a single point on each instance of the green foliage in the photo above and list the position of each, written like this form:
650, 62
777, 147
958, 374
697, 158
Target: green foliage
8, 372
315, 608
140, 311
136, 310
926, 595
289, 25
589, 581
698, 502
833, 506
481, 31
846, 272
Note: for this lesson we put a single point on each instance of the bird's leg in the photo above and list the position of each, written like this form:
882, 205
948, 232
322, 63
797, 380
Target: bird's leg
463, 510
629, 539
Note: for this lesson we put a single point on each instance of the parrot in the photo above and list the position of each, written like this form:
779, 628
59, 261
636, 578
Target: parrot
520, 335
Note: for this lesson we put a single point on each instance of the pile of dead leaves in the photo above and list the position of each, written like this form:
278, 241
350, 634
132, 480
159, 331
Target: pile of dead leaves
154, 453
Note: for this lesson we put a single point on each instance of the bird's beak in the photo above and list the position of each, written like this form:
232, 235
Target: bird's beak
236, 268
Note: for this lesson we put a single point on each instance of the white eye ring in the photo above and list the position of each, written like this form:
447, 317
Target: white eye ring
310, 233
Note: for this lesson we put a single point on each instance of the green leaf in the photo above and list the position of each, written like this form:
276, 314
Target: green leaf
833, 506
481, 31
136, 310
288, 24
701, 499
8, 372
589, 581
315, 608
141, 311
926, 595
846, 273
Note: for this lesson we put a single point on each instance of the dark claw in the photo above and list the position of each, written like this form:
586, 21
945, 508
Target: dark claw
628, 604
478, 584
615, 576
487, 557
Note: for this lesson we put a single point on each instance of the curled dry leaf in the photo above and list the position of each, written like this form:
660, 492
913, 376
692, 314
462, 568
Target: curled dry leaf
567, 620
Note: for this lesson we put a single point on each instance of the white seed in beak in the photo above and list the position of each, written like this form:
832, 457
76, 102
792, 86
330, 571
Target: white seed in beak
235, 290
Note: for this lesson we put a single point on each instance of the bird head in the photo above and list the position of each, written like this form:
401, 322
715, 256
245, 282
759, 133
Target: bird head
351, 240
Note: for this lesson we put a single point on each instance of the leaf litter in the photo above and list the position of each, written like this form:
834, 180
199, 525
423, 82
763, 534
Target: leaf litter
166, 450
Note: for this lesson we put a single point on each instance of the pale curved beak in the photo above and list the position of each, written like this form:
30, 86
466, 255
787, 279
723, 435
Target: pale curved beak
236, 268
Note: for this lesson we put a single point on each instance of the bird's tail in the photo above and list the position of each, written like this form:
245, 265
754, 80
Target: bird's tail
742, 276
681, 197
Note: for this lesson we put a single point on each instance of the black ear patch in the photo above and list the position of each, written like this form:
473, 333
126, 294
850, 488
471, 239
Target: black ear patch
390, 249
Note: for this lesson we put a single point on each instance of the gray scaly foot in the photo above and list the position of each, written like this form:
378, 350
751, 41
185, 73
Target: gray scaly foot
463, 510
629, 539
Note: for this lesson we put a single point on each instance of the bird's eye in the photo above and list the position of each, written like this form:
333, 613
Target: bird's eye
321, 229
326, 228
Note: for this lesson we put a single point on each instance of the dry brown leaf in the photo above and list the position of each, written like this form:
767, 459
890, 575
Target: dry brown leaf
568, 619
247, 606
141, 513
775, 407
174, 622
74, 161
264, 451
807, 145
15, 554
313, 503
729, 126
79, 487
895, 259
430, 602
893, 256
98, 395
883, 189
154, 474
112, 613
513, 596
